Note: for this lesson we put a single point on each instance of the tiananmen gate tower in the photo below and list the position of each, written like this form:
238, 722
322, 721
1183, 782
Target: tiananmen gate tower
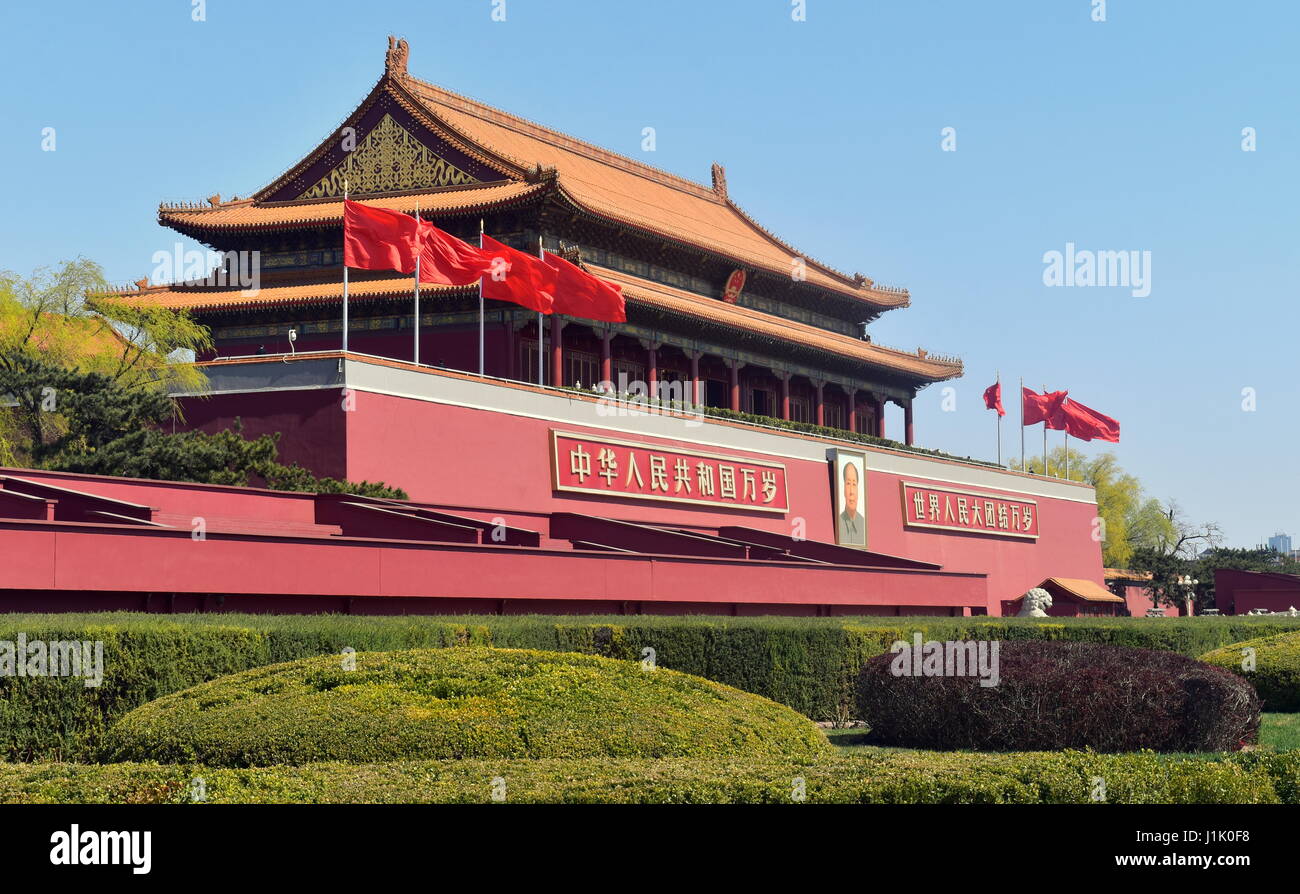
724, 450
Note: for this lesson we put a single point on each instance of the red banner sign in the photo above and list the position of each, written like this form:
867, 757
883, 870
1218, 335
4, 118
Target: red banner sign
976, 513
582, 464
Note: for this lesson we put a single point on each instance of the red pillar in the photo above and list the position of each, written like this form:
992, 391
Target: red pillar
785, 396
880, 416
696, 397
907, 421
821, 403
606, 357
853, 410
735, 385
652, 369
512, 349
557, 351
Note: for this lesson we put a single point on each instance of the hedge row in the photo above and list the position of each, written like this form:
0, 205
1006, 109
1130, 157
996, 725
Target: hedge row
466, 702
903, 778
1275, 670
809, 664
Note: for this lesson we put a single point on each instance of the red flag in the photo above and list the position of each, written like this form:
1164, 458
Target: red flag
450, 261
993, 398
580, 294
518, 277
1087, 424
378, 239
1044, 407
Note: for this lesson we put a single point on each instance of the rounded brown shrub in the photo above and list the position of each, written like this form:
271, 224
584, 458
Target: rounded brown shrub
1054, 695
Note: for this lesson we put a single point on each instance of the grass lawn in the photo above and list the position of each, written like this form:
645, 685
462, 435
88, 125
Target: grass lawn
1279, 732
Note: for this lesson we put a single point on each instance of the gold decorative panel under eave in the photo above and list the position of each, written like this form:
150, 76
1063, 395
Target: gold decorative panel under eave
389, 159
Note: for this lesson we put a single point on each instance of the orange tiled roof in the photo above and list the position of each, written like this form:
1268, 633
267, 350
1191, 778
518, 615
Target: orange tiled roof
688, 304
245, 213
632, 192
1087, 590
183, 298
1125, 574
636, 290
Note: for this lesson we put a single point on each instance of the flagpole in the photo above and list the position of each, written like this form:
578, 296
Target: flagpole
541, 362
999, 418
1045, 440
1067, 455
480, 304
1023, 467
345, 267
417, 283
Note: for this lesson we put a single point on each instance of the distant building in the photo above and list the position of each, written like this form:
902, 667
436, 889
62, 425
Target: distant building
1280, 543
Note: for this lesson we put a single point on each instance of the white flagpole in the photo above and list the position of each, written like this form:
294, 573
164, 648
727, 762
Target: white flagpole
480, 304
345, 268
1023, 467
1045, 439
541, 359
417, 282
1067, 454
999, 418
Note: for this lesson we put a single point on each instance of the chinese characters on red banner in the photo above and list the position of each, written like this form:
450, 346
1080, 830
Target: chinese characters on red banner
648, 472
954, 510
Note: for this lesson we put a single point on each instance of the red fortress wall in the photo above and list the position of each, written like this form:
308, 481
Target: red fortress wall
459, 444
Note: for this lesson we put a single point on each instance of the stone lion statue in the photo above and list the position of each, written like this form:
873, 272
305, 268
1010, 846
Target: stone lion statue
1035, 604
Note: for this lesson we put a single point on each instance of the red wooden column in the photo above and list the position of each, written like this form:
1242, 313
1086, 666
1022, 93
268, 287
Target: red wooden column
821, 401
557, 351
853, 409
696, 397
652, 367
880, 415
735, 384
907, 421
785, 395
606, 357
512, 347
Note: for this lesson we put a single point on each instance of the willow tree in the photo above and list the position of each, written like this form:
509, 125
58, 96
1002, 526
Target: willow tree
1131, 520
65, 318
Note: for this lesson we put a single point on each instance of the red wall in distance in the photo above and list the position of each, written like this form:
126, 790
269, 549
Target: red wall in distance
1240, 591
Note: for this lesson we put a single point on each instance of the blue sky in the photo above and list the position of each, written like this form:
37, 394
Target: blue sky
1117, 135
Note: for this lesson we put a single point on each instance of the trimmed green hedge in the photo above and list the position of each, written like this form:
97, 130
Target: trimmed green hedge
809, 664
1277, 668
899, 778
462, 702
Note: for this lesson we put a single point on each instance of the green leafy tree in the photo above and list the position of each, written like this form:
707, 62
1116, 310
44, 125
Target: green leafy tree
1174, 555
1132, 521
69, 319
112, 430
102, 408
48, 323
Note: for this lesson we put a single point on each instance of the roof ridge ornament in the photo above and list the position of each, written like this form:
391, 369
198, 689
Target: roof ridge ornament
541, 173
399, 52
720, 180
